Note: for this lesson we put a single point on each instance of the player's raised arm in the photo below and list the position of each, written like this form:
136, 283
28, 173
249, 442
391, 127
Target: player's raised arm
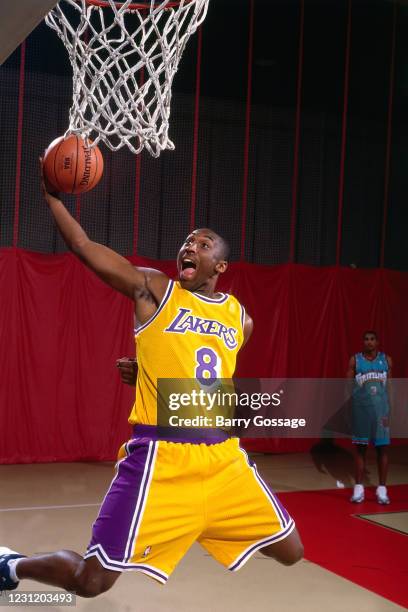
145, 286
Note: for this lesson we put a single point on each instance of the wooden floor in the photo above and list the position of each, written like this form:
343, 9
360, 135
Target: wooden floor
45, 507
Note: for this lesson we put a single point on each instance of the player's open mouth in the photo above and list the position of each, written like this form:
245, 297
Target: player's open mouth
188, 269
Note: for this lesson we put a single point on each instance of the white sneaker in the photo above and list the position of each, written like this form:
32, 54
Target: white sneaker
358, 494
382, 496
6, 555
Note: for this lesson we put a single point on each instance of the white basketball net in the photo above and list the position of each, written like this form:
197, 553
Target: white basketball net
124, 57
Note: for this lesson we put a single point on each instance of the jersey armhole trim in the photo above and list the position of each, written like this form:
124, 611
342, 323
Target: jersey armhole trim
162, 304
243, 313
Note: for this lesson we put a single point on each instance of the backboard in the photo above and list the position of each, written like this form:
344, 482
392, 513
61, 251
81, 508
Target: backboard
18, 20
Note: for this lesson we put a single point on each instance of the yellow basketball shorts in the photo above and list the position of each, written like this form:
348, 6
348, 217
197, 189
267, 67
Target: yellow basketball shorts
167, 495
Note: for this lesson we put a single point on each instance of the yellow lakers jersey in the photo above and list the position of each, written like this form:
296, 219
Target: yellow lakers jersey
189, 337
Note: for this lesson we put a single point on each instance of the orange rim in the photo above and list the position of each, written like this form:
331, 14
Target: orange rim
135, 5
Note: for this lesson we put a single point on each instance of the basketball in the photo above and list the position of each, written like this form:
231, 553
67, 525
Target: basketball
71, 165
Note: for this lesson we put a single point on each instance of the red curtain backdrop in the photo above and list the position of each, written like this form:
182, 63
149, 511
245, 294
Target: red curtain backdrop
61, 330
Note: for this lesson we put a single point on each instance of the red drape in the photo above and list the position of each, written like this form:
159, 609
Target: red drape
61, 330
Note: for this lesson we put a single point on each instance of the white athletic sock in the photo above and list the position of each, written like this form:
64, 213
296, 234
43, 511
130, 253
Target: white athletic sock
358, 488
12, 564
381, 490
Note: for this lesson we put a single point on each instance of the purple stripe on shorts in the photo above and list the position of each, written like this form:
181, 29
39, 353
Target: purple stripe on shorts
112, 526
280, 510
98, 552
191, 435
141, 502
250, 551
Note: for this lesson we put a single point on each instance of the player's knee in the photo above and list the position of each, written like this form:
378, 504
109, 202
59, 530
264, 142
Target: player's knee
92, 581
92, 587
293, 556
382, 449
286, 552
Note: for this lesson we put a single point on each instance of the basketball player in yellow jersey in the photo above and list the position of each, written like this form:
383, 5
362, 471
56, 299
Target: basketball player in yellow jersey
171, 488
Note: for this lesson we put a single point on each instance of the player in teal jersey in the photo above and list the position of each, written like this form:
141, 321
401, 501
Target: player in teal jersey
371, 371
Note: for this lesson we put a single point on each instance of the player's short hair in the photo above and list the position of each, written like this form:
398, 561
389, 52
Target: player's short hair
372, 332
225, 249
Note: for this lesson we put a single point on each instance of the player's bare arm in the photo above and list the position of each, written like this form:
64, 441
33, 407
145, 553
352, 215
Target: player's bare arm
350, 375
389, 383
390, 366
351, 372
248, 328
145, 286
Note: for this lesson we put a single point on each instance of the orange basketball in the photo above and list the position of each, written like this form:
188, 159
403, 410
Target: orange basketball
71, 165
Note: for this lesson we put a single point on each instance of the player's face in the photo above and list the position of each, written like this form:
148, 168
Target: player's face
198, 259
370, 342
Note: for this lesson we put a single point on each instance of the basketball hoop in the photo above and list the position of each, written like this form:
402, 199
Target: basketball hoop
124, 57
